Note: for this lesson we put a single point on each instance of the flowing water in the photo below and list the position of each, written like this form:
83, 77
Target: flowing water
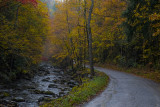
48, 84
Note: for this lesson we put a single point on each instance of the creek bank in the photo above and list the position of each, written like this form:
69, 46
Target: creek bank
82, 93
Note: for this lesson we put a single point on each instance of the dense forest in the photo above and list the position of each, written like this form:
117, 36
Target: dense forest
23, 30
122, 32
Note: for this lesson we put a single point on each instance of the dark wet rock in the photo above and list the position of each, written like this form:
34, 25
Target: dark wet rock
27, 78
55, 81
52, 86
27, 87
41, 68
57, 70
18, 99
40, 99
38, 92
5, 103
60, 88
30, 87
60, 77
49, 93
63, 81
71, 83
64, 89
47, 72
61, 94
44, 70
4, 94
46, 79
20, 88
7, 86
44, 92
44, 99
25, 92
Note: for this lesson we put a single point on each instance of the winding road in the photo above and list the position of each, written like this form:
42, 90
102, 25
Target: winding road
127, 90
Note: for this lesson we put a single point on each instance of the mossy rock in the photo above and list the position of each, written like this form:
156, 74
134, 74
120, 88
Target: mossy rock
49, 93
44, 99
4, 94
45, 92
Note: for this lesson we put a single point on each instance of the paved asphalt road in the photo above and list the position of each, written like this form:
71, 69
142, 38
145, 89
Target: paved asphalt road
127, 90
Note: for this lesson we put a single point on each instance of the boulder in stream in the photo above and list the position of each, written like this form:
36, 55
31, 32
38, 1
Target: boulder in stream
45, 92
18, 99
63, 81
52, 86
64, 89
61, 94
38, 91
49, 93
46, 79
44, 99
55, 81
57, 70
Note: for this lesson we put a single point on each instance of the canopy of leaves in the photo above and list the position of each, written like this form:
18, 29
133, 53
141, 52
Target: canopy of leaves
23, 30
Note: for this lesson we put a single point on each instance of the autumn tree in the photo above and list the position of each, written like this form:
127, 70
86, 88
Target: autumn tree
130, 40
108, 36
142, 27
77, 18
22, 36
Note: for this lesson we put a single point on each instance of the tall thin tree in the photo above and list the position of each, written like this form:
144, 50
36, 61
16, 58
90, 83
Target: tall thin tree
90, 38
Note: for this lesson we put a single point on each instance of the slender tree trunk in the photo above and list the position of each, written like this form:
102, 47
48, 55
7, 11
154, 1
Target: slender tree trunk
79, 35
71, 41
85, 32
15, 25
90, 39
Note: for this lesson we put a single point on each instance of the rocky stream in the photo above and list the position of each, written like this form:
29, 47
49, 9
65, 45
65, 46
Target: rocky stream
49, 83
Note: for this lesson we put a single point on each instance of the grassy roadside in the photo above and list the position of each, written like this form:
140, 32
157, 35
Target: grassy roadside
82, 93
152, 75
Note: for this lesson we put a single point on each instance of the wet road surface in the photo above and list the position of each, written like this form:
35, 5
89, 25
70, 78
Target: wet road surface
127, 90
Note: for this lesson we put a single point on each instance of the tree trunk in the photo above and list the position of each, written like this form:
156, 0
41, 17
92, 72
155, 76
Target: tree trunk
69, 31
80, 39
15, 25
85, 33
90, 39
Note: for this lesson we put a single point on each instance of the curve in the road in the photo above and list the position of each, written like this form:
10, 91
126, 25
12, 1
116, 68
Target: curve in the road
127, 90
